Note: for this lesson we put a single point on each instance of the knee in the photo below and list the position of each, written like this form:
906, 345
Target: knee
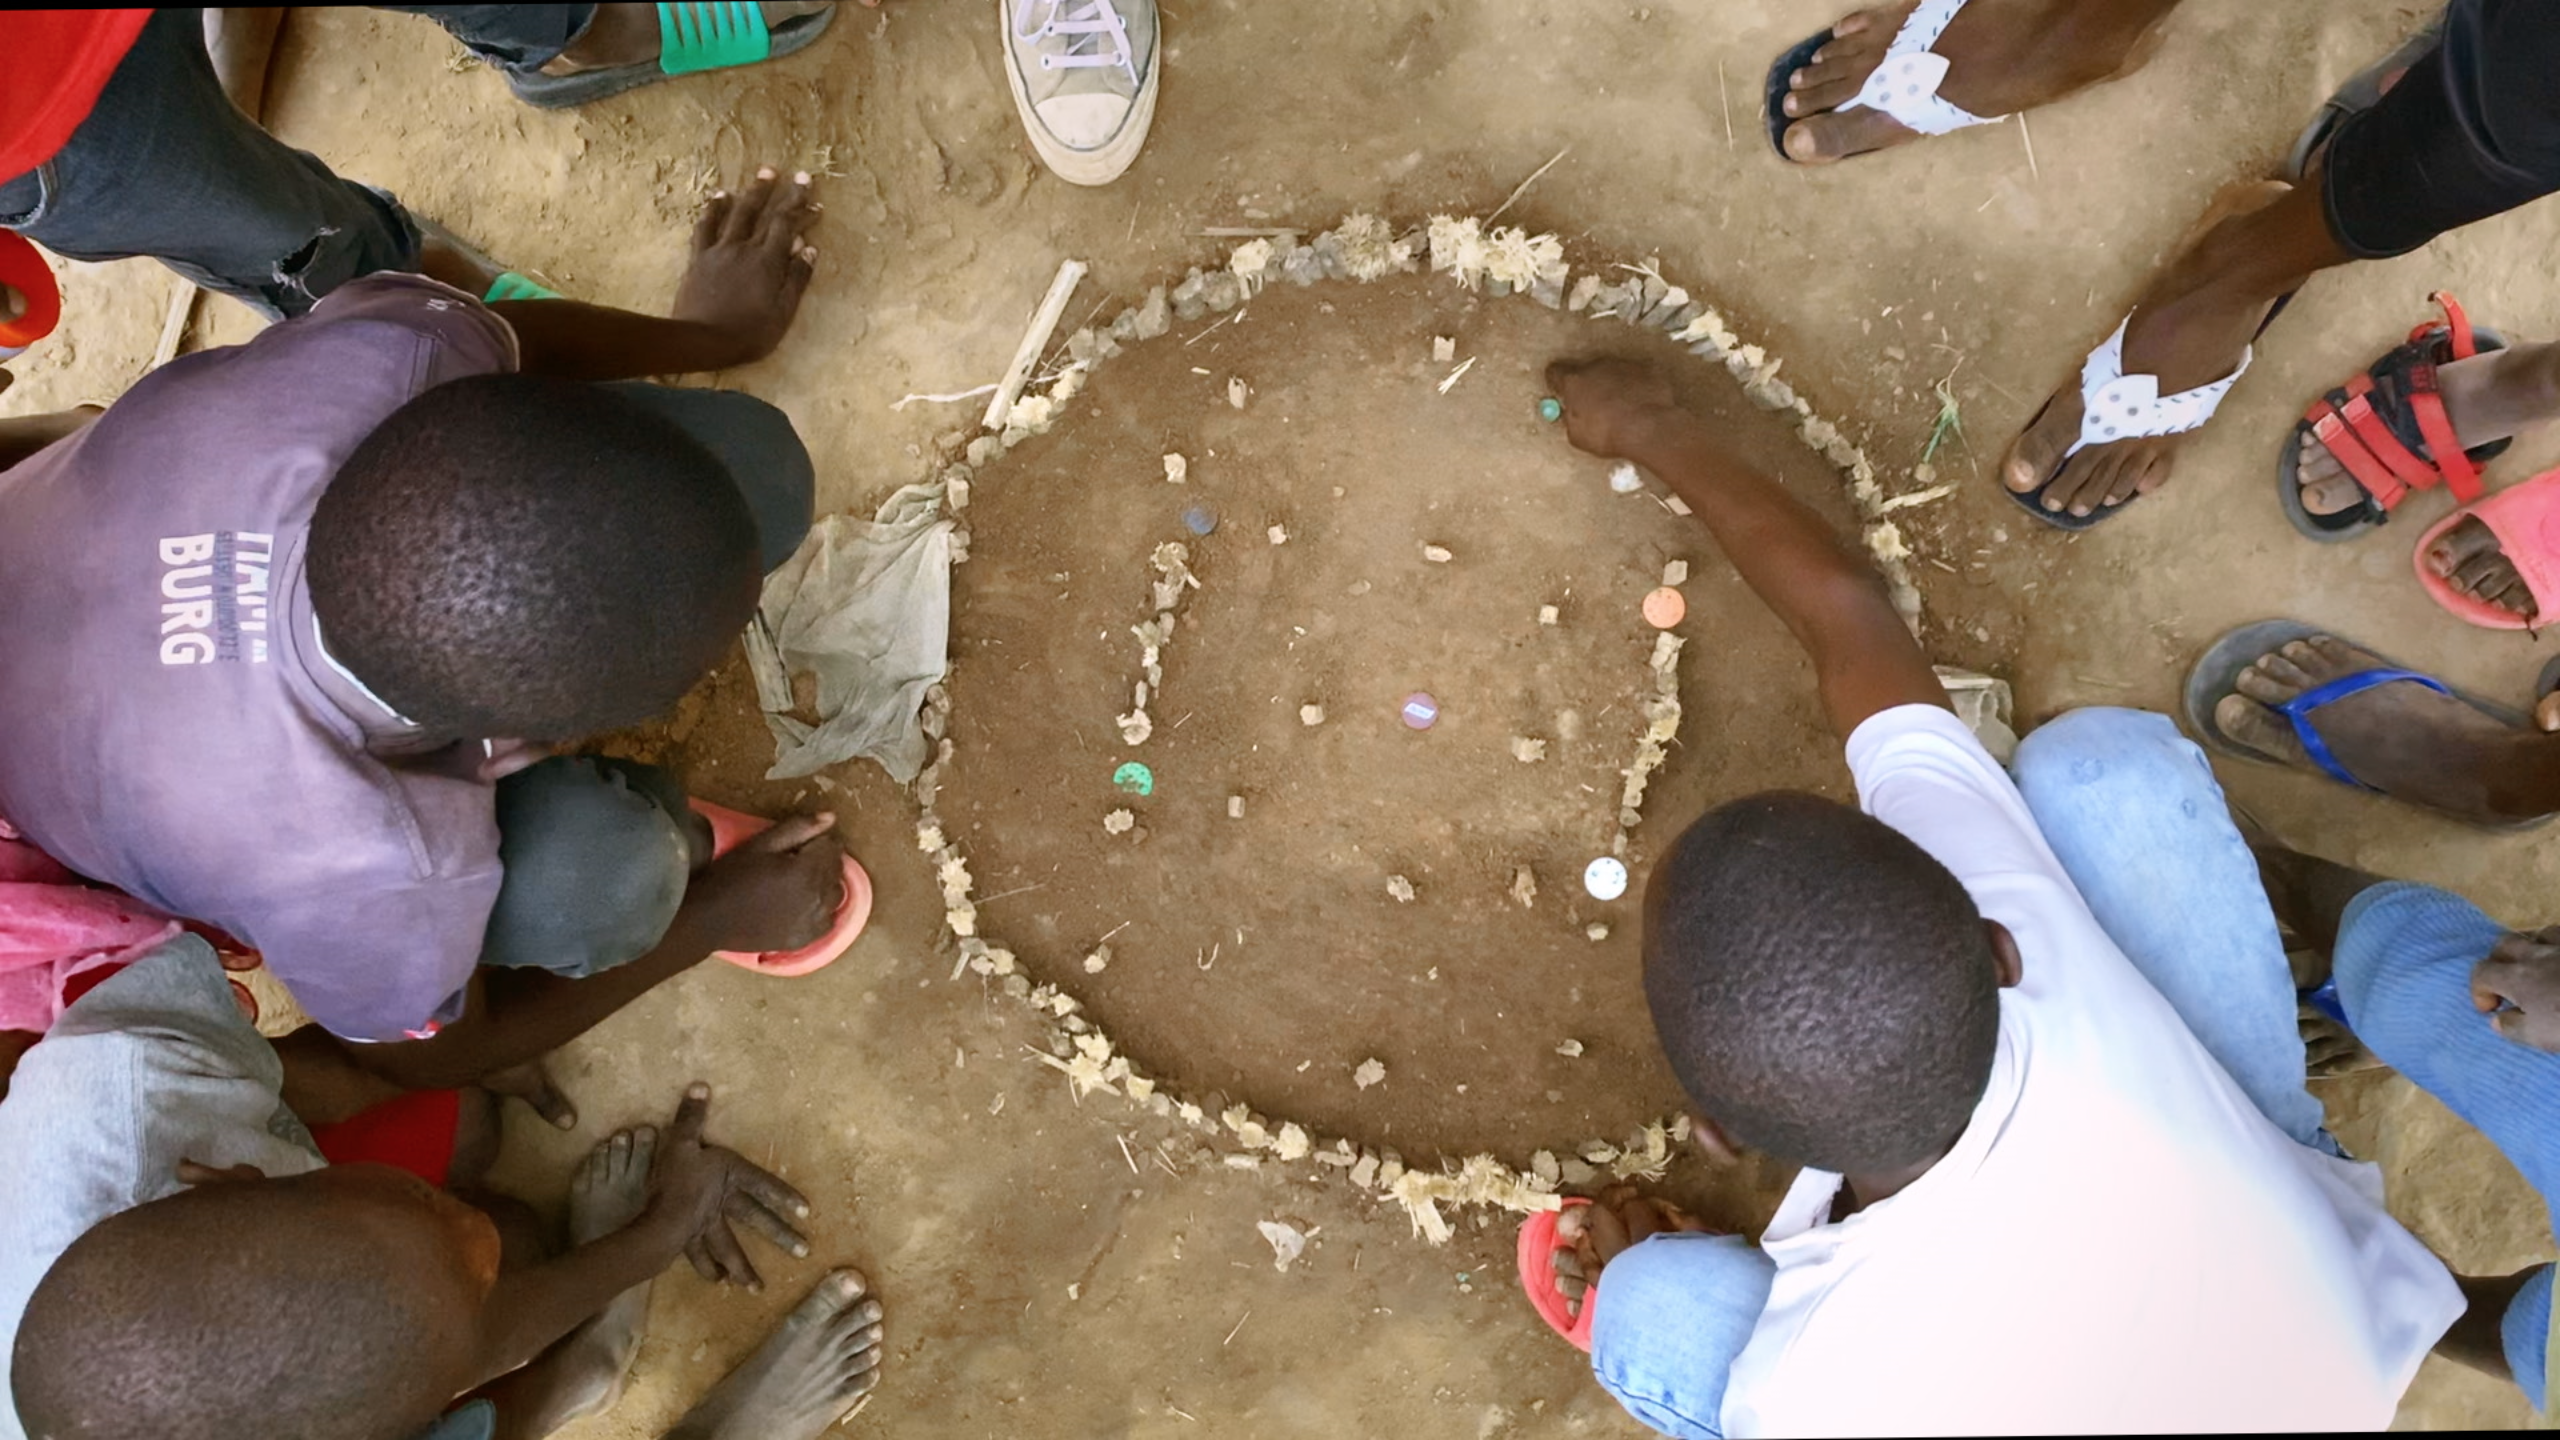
2107, 755
1673, 1315
595, 865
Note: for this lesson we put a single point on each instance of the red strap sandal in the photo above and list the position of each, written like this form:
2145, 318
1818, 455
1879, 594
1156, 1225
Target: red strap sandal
732, 828
2388, 429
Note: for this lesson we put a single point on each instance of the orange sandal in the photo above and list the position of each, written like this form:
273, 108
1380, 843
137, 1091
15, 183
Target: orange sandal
732, 828
1537, 1256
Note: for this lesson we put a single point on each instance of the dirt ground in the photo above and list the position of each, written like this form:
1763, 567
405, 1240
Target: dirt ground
1043, 1278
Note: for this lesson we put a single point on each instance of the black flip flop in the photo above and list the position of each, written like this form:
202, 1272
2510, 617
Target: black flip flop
1773, 93
2217, 672
2358, 95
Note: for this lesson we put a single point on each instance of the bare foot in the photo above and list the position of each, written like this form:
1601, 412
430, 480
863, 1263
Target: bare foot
2002, 56
610, 1190
2404, 740
2469, 558
2330, 1049
622, 35
2190, 327
822, 1359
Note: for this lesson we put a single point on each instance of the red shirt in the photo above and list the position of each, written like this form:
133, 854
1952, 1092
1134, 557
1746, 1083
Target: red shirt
53, 63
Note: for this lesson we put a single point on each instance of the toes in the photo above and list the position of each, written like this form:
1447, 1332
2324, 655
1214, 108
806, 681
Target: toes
2333, 657
2332, 494
2082, 481
2466, 539
831, 1297
2272, 681
644, 1147
2252, 724
2039, 449
1820, 139
1814, 94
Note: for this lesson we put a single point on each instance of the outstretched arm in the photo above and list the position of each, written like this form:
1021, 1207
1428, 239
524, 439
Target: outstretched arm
775, 892
1864, 658
751, 264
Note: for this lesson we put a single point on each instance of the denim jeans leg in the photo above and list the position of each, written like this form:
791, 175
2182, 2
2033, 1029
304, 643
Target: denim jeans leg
2132, 810
598, 852
2404, 962
1674, 1314
517, 38
166, 166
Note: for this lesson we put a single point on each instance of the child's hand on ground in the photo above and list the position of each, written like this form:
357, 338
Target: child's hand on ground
1610, 405
778, 891
698, 1190
2518, 987
750, 264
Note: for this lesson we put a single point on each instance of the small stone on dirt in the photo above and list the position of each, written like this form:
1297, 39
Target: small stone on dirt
1624, 479
1098, 961
1528, 750
1235, 807
1370, 1072
1401, 889
1119, 822
1550, 614
1236, 391
1524, 887
1310, 715
1437, 554
1176, 469
1676, 573
1443, 349
1288, 1242
1595, 932
1571, 1049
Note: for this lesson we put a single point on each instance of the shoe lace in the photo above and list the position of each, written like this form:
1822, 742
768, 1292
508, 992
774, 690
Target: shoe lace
1083, 22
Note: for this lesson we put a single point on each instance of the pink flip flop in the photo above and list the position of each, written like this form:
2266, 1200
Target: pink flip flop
1538, 1278
732, 828
2526, 519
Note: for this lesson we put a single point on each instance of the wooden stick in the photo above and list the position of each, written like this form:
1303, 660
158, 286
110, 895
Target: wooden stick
181, 319
1053, 307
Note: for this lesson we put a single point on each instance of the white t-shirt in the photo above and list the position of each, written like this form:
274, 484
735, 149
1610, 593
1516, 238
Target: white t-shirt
2119, 1241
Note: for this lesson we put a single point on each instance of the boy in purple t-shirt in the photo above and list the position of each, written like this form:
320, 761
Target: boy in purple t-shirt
293, 624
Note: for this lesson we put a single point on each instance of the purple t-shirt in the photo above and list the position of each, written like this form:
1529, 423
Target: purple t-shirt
170, 723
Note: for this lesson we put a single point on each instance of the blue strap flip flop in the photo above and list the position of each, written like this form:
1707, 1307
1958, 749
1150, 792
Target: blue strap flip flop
2216, 675
692, 37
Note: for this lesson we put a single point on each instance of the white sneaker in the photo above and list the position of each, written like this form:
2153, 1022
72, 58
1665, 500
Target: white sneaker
1084, 78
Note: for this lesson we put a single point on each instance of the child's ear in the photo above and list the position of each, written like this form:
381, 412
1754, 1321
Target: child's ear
191, 1172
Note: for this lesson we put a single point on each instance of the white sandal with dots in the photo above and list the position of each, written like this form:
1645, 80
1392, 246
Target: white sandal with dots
1904, 86
2117, 406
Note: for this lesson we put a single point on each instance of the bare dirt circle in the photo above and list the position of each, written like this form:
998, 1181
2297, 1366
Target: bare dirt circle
1266, 958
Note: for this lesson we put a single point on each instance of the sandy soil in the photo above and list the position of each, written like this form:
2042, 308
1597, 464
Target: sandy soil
1043, 1279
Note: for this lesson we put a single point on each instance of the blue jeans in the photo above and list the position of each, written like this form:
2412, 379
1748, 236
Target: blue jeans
2403, 965
166, 166
2133, 812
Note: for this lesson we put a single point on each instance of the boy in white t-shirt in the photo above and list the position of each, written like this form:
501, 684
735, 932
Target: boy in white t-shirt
2033, 1041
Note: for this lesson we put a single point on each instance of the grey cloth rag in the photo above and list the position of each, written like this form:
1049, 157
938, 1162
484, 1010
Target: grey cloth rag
865, 607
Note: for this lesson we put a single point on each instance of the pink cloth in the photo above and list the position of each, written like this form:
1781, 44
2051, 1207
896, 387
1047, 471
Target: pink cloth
53, 926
